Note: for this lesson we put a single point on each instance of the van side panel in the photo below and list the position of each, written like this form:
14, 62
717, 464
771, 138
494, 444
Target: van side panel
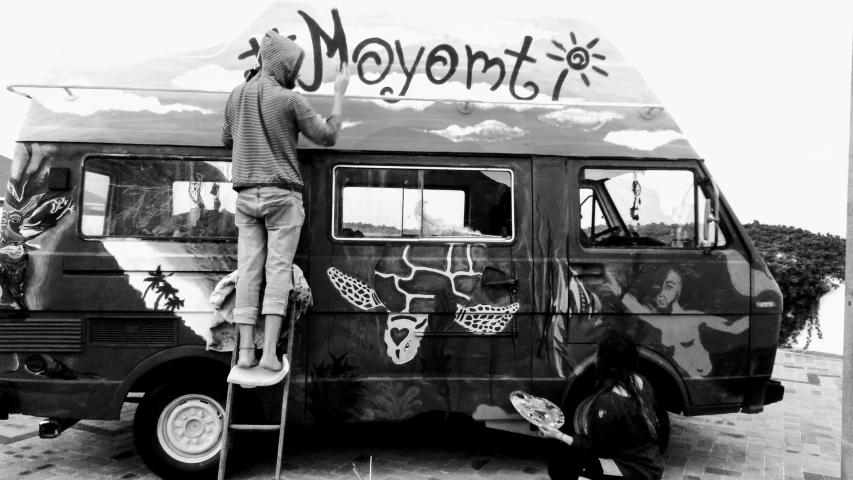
387, 335
399, 326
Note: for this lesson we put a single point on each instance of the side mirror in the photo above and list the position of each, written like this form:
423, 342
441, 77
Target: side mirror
711, 218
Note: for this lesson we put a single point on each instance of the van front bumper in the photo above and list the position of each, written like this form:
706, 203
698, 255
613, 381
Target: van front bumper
774, 393
764, 392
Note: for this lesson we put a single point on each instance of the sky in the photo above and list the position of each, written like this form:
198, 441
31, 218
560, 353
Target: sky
761, 89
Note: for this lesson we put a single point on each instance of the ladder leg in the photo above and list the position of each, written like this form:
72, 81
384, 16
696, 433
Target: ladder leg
229, 399
286, 393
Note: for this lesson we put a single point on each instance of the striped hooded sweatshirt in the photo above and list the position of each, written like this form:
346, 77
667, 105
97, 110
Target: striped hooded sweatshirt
264, 116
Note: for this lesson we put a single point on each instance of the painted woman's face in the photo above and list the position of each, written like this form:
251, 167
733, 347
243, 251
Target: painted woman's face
669, 291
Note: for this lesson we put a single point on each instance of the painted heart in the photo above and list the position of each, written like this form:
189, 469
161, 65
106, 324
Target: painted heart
399, 334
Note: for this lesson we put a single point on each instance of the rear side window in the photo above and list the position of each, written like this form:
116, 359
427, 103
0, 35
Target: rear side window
422, 203
157, 198
640, 208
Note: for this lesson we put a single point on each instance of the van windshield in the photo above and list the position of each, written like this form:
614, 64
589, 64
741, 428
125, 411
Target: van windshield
643, 207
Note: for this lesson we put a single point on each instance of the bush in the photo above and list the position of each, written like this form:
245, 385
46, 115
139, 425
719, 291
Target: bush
806, 266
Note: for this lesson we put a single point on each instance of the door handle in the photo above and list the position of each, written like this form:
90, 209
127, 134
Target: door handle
588, 269
510, 282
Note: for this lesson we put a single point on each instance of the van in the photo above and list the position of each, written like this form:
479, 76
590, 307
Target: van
488, 210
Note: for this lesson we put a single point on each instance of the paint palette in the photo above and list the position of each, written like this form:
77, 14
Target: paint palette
537, 411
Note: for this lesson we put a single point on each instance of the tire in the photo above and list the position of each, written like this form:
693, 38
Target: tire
178, 429
579, 405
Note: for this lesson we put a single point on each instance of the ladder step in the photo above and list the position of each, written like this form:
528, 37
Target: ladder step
255, 428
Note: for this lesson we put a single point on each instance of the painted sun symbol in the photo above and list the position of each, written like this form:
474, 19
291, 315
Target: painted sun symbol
577, 58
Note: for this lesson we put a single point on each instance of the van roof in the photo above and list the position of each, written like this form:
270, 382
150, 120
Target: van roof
554, 86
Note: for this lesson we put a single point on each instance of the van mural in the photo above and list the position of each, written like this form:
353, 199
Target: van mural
35, 202
663, 307
408, 279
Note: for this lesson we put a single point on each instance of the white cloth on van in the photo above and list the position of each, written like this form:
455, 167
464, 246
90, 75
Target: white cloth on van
223, 291
222, 337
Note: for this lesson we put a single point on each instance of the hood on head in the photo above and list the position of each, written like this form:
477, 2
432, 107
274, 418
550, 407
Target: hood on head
281, 58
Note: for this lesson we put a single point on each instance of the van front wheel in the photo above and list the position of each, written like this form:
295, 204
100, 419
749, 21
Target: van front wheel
178, 430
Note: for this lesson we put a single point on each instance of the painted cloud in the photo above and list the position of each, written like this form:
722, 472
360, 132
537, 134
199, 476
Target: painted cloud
580, 117
210, 77
489, 131
643, 139
416, 105
88, 102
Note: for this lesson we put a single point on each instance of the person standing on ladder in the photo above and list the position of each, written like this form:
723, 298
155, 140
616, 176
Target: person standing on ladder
263, 119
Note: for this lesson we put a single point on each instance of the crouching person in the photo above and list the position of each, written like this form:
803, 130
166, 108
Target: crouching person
623, 428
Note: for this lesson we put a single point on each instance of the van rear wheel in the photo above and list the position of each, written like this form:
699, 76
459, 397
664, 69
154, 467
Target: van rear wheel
178, 429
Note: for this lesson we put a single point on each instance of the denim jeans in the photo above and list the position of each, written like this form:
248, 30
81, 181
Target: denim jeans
269, 220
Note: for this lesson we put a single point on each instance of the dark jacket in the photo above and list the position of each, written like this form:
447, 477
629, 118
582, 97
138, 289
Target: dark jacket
264, 116
618, 431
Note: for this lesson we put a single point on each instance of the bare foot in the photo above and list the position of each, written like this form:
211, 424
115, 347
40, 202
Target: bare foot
246, 358
270, 362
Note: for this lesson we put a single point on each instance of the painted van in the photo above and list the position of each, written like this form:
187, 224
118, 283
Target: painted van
498, 196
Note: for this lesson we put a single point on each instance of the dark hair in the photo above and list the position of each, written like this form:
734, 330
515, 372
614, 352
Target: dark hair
616, 363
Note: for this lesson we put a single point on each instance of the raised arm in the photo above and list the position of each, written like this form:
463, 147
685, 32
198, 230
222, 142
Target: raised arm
341, 84
313, 126
634, 306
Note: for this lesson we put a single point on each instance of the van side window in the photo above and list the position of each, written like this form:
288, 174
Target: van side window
640, 208
142, 198
421, 203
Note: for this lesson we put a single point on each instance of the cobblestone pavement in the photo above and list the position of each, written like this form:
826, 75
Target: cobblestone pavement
798, 438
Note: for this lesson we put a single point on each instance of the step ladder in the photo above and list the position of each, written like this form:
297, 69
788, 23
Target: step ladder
229, 405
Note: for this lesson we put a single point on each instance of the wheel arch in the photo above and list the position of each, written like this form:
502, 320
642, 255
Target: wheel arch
665, 379
170, 364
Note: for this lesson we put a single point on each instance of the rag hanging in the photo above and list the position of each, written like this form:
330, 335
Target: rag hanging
223, 298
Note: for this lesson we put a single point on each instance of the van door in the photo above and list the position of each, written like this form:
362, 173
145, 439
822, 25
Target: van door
646, 265
420, 268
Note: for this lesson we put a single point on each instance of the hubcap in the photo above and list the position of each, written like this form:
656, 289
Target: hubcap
190, 428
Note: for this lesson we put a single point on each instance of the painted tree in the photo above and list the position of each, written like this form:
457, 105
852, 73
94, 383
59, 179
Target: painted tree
158, 284
806, 266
